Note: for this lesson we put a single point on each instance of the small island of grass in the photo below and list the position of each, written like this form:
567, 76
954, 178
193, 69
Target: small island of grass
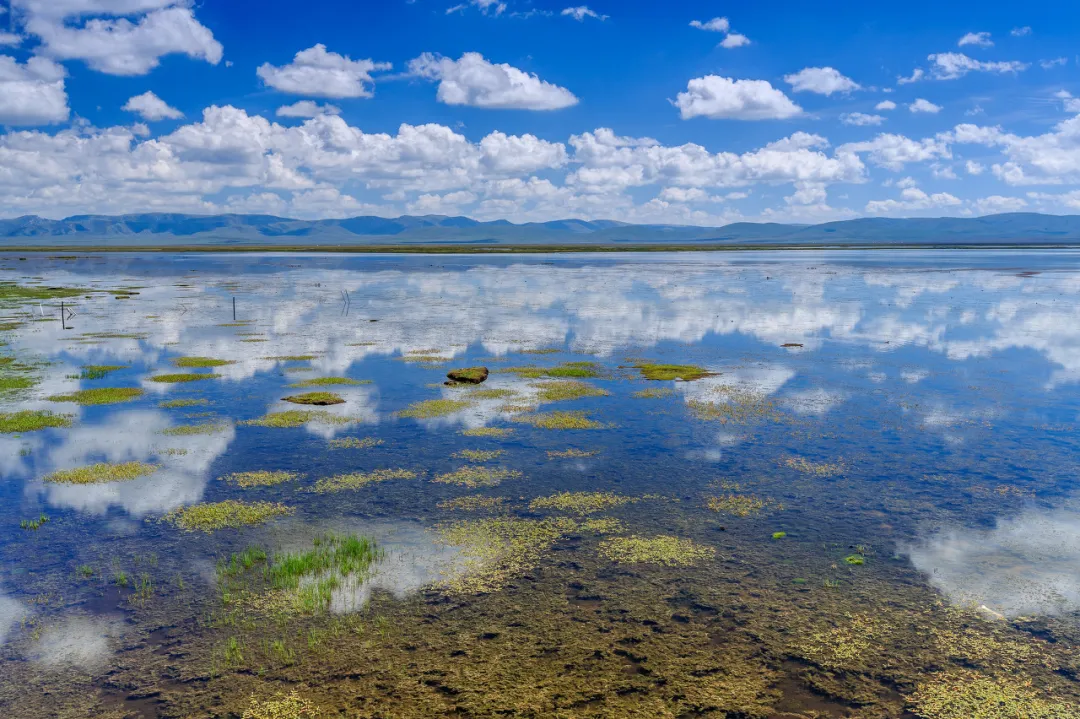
319, 399
99, 395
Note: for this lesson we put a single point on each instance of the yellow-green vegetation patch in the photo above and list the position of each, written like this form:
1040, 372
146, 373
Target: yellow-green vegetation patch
176, 403
497, 550
567, 390
255, 339
542, 351
291, 358
818, 469
740, 505
479, 455
100, 395
97, 371
684, 372
358, 480
186, 430
492, 393
601, 525
296, 418
289, 706
12, 292
318, 399
654, 393
473, 503
328, 382
664, 550
734, 405
964, 694
311, 577
182, 377
581, 503
571, 453
244, 323
355, 443
473, 476
560, 420
571, 370
212, 516
260, 478
431, 408
13, 382
494, 432
32, 420
849, 642
101, 473
193, 362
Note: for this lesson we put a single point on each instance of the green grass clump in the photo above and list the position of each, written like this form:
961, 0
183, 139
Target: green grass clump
855, 560
495, 432
357, 480
100, 395
966, 694
568, 370
663, 550
685, 372
102, 472
581, 503
478, 455
175, 403
31, 420
10, 383
473, 477
571, 453
313, 576
33, 524
97, 371
259, 478
193, 362
182, 377
355, 443
296, 418
212, 516
11, 292
560, 420
434, 408
567, 390
319, 399
779, 535
328, 382
240, 562
185, 430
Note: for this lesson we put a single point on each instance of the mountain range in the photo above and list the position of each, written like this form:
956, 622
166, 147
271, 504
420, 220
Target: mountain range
163, 229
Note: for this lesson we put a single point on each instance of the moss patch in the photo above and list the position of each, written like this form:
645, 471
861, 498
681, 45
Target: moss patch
684, 372
212, 516
664, 550
296, 418
259, 478
581, 503
355, 443
473, 477
358, 480
431, 408
31, 421
560, 420
100, 395
194, 362
182, 377
328, 382
478, 455
468, 375
101, 473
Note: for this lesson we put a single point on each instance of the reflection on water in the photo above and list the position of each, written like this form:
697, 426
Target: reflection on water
879, 463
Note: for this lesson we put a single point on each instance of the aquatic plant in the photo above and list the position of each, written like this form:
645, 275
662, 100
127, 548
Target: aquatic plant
312, 576
478, 455
473, 477
488, 432
779, 535
850, 643
177, 403
194, 362
182, 377
289, 706
355, 443
472, 503
431, 408
292, 358
99, 395
571, 453
855, 560
684, 372
571, 370
601, 525
818, 469
10, 383
212, 516
259, 478
491, 393
965, 694
654, 393
581, 503
734, 405
101, 472
567, 390
31, 421
664, 550
358, 480
296, 418
328, 382
34, 524
12, 292
240, 562
185, 430
97, 371
560, 420
740, 505
319, 399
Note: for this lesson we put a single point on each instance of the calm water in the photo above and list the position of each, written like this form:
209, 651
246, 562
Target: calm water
887, 441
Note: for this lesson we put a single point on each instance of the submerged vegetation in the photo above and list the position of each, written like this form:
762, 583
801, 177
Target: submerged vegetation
663, 550
571, 453
289, 706
473, 502
818, 469
478, 455
260, 478
358, 480
296, 418
177, 403
32, 420
328, 382
432, 408
97, 371
355, 443
740, 505
559, 420
963, 694
186, 430
581, 503
101, 472
99, 395
212, 516
567, 390
494, 432
474, 476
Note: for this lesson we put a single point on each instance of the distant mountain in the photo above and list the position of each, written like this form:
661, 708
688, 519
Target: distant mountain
162, 229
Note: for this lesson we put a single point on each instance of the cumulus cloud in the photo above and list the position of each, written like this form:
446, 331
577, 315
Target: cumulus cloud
921, 105
1054, 62
861, 119
581, 12
33, 93
723, 98
307, 108
974, 168
315, 72
474, 81
152, 108
953, 65
894, 151
734, 40
885, 105
998, 203
912, 198
916, 75
820, 80
717, 24
1051, 158
979, 39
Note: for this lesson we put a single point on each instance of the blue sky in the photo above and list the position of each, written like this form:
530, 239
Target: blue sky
680, 112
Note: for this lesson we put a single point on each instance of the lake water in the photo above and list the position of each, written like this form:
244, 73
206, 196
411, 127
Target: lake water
860, 501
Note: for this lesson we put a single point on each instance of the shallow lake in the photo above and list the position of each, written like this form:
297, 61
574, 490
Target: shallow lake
755, 484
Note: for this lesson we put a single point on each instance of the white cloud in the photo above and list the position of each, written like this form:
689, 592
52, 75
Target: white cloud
152, 108
307, 108
488, 7
474, 81
114, 44
996, 203
1051, 158
717, 24
953, 65
979, 39
821, 80
921, 105
974, 168
894, 151
10, 38
317, 73
912, 199
33, 93
718, 98
734, 40
861, 119
916, 75
1020, 31
885, 105
581, 12
1055, 62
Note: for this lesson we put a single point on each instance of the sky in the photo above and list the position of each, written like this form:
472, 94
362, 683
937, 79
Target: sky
679, 112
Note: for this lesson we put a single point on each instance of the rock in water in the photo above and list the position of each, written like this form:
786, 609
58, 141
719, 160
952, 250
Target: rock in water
469, 375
